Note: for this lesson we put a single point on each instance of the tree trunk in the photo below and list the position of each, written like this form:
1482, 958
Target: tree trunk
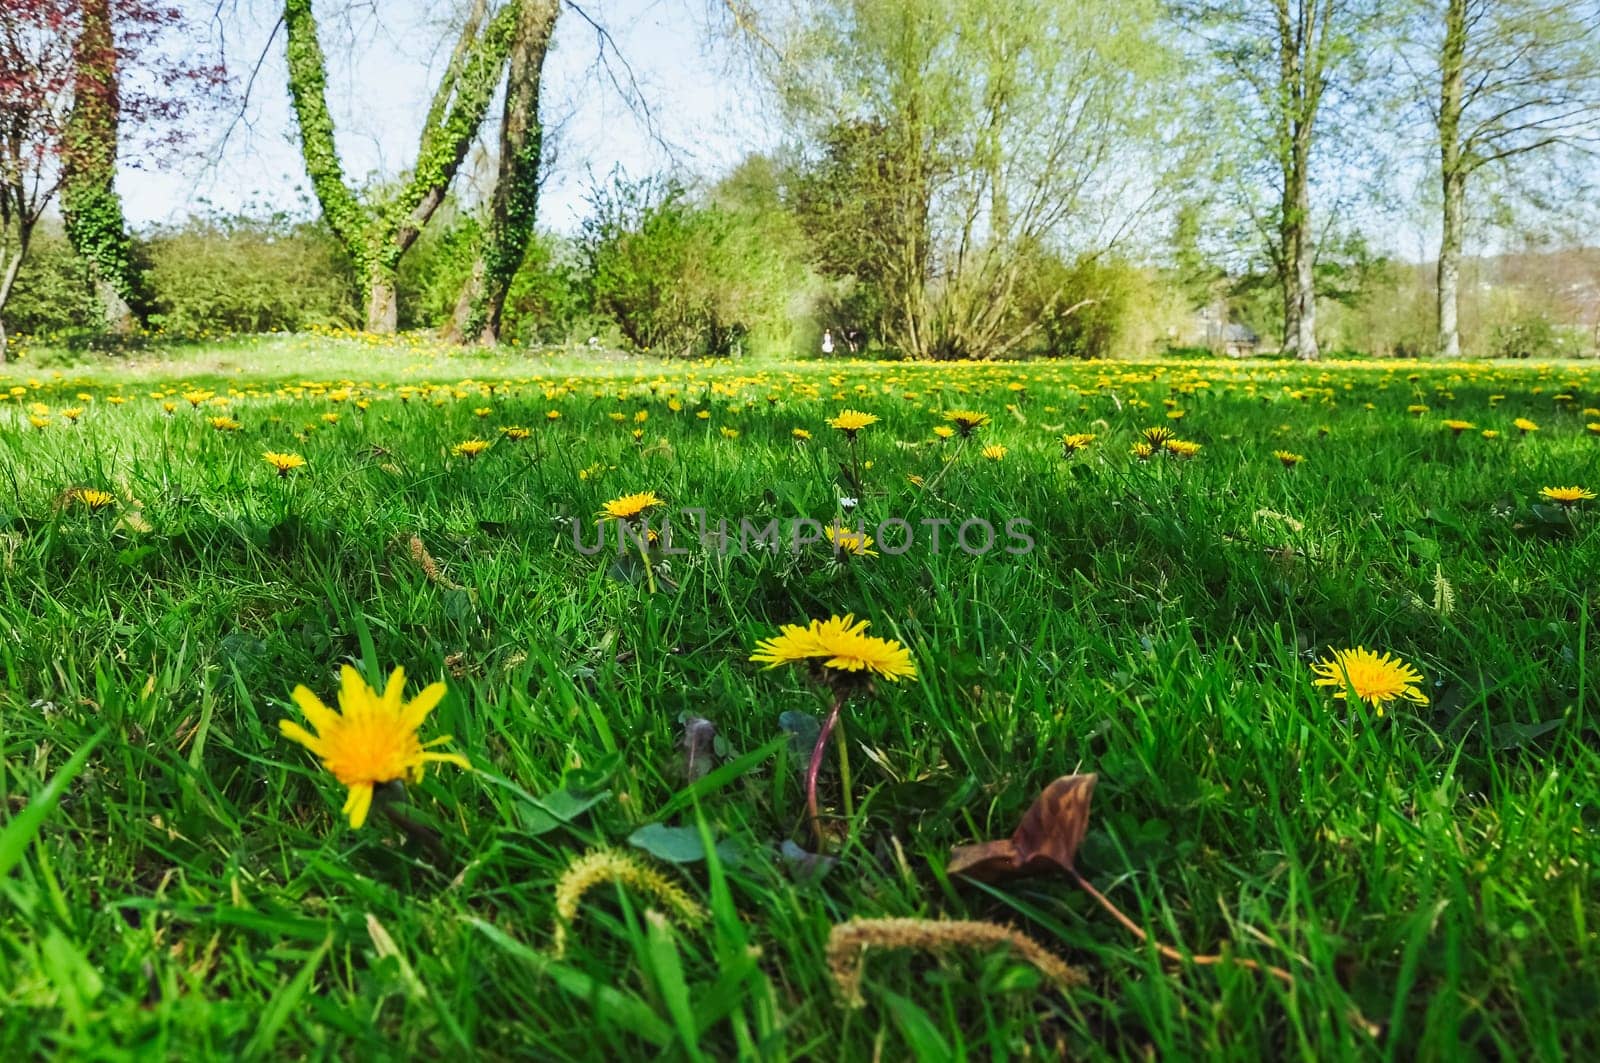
460, 328
514, 205
1300, 282
376, 238
90, 206
8, 281
116, 316
383, 306
1452, 176
1450, 269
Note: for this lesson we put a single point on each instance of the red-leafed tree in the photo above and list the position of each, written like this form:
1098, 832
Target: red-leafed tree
74, 75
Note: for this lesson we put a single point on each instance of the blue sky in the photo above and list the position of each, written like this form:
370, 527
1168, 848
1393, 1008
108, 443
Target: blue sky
381, 76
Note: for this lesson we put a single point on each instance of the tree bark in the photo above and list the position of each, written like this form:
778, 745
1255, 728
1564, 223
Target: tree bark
9, 279
1452, 176
514, 205
1301, 59
383, 303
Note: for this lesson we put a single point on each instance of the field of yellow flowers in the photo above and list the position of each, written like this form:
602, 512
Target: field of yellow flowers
373, 701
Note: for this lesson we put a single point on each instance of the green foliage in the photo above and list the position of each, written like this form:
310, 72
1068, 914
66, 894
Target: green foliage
1098, 306
547, 300
95, 227
1532, 333
683, 278
433, 273
223, 274
54, 291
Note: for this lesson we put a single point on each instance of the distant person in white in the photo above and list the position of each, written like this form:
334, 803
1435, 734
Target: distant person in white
827, 341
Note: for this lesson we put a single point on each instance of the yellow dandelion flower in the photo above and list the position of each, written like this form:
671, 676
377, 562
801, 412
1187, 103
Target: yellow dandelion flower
1073, 442
1375, 679
483, 411
93, 498
1523, 425
1143, 450
469, 448
848, 541
800, 434
1490, 433
1416, 409
1458, 427
944, 431
372, 739
1158, 436
1566, 496
284, 463
1182, 448
41, 423
1593, 427
729, 433
515, 433
552, 415
838, 644
1289, 458
852, 421
629, 506
73, 413
225, 424
966, 421
994, 452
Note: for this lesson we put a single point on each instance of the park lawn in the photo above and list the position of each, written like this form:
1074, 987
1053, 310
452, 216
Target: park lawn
1425, 875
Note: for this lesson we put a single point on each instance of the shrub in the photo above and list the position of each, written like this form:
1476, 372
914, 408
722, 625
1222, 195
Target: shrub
687, 279
240, 273
1093, 307
53, 292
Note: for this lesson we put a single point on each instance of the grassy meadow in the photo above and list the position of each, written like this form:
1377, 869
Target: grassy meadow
630, 870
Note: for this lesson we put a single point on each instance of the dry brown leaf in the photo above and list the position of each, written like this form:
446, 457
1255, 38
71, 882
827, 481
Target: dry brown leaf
1046, 840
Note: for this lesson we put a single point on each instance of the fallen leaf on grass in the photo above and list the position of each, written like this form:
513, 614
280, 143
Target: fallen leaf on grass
1047, 839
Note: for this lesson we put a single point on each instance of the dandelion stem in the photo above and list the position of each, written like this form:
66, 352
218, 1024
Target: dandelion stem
961, 445
843, 743
649, 573
816, 766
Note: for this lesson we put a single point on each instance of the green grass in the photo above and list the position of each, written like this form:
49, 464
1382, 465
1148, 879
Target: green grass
186, 887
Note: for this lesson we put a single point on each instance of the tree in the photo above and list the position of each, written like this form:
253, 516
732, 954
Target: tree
36, 75
89, 203
1286, 57
979, 131
841, 199
111, 38
513, 206
61, 107
1502, 80
377, 234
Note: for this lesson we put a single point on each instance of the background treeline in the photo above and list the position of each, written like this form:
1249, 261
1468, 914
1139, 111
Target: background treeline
961, 179
744, 267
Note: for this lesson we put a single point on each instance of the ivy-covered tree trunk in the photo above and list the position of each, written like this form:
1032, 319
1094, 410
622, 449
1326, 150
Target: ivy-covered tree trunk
514, 206
377, 235
90, 206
